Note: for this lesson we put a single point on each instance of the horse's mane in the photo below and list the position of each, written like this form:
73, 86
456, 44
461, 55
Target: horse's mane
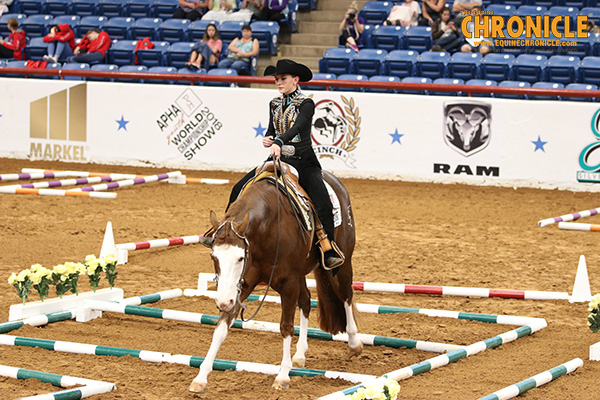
252, 197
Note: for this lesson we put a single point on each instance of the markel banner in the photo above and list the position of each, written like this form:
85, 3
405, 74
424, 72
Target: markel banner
448, 139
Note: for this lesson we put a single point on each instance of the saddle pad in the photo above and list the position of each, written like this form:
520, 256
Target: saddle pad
335, 201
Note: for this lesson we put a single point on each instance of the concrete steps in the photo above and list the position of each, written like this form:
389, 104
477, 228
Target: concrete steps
307, 39
318, 27
337, 5
296, 51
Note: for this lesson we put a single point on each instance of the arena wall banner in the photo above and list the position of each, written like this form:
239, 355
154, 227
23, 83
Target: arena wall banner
475, 140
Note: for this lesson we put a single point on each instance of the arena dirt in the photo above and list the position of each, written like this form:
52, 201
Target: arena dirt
413, 233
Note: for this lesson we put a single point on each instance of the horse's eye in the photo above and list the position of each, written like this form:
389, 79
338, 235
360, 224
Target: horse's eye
240, 259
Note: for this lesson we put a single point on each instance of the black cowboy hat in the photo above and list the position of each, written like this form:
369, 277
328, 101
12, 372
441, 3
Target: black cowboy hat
290, 67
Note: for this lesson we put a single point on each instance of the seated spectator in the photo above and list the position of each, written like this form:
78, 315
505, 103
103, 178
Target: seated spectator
444, 33
190, 10
351, 28
62, 43
463, 5
15, 44
273, 10
206, 52
92, 48
4, 4
220, 11
249, 10
432, 10
405, 14
240, 51
484, 45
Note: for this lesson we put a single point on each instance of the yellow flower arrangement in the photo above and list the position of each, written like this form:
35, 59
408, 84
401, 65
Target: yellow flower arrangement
378, 391
593, 319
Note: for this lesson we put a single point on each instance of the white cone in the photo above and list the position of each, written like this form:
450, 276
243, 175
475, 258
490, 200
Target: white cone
108, 244
581, 287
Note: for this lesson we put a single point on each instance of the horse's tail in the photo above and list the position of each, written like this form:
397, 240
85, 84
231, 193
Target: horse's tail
332, 315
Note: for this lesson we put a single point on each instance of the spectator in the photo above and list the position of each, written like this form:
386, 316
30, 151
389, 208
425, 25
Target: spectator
207, 51
249, 10
4, 4
14, 45
484, 44
220, 11
62, 43
405, 14
432, 10
444, 33
463, 5
190, 10
92, 48
351, 28
273, 10
240, 51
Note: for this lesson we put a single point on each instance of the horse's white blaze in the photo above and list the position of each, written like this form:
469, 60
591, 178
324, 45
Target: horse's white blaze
231, 263
351, 328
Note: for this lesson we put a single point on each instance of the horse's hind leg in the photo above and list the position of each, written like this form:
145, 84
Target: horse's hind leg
299, 359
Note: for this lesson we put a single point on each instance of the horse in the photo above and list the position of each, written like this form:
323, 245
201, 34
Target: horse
260, 240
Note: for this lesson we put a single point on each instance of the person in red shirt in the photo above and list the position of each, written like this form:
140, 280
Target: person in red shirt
92, 48
62, 43
14, 45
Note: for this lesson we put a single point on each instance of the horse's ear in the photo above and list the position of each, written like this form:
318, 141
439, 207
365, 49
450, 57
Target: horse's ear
207, 241
214, 220
241, 228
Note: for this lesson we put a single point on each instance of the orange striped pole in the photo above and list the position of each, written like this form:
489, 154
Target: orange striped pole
55, 192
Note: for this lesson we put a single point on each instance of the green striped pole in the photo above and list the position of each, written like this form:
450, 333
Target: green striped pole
37, 320
153, 356
152, 298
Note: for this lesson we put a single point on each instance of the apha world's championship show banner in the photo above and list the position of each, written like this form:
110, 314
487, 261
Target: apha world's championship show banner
430, 138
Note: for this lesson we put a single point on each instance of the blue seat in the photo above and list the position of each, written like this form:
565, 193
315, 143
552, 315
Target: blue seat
75, 67
529, 68
516, 49
582, 48
580, 86
531, 10
119, 27
103, 68
447, 81
197, 28
376, 12
350, 77
481, 82
589, 70
562, 69
37, 25
111, 8
570, 12
121, 52
174, 30
400, 63
84, 8
513, 84
366, 35
514, 3
319, 75
369, 62
184, 70
132, 68
58, 7
36, 49
31, 7
221, 72
337, 61
139, 8
496, 66
418, 38
384, 79
592, 13
504, 10
267, 34
153, 57
90, 22
229, 30
50, 66
546, 85
4, 20
415, 79
72, 20
388, 37
179, 53
432, 64
162, 70
15, 64
165, 8
464, 65
545, 3
145, 27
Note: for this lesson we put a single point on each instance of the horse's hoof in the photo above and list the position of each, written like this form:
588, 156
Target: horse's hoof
280, 385
197, 387
299, 362
356, 351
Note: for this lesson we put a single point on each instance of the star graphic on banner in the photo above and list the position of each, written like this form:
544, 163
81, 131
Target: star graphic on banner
260, 131
396, 137
122, 123
539, 144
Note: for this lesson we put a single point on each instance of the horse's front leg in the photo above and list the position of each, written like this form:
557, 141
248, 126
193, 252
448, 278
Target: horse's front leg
199, 383
299, 360
289, 298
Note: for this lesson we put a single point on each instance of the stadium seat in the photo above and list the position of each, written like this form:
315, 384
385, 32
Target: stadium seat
350, 77
385, 79
174, 30
580, 86
229, 30
432, 64
292, 18
75, 67
583, 47
153, 57
132, 68
119, 28
184, 70
221, 72
496, 66
546, 85
319, 75
31, 7
464, 65
165, 8
366, 36
267, 34
36, 49
145, 27
337, 61
529, 68
103, 68
121, 52
562, 69
197, 28
400, 63
139, 8
15, 64
72, 20
388, 38
418, 38
592, 13
561, 11
368, 62
589, 71
111, 8
4, 20
50, 66
37, 25
415, 79
447, 81
83, 8
531, 10
481, 82
376, 12
178, 54
58, 7
504, 10
162, 70
90, 22
513, 84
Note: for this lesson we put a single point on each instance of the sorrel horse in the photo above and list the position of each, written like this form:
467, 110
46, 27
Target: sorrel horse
260, 236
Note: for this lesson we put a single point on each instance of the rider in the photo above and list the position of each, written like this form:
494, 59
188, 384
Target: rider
290, 122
